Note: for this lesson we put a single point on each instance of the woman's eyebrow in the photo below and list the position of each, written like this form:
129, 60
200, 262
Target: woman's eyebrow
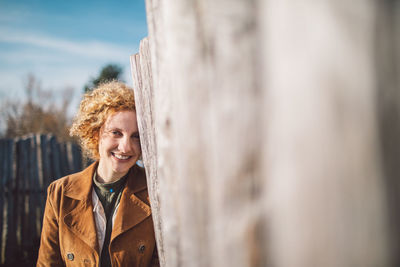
120, 130
113, 129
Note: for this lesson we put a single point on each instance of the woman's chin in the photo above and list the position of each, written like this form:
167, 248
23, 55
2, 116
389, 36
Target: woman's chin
122, 168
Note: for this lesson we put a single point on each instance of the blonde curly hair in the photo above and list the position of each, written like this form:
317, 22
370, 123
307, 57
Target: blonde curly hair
94, 109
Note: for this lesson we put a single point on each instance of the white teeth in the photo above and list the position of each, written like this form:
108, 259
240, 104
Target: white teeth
121, 157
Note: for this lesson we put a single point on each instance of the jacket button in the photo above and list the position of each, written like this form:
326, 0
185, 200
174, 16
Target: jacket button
70, 256
142, 248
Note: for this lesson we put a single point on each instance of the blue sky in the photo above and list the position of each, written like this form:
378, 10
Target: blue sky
65, 43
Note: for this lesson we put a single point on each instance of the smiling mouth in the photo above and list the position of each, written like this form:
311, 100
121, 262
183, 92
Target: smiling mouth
121, 156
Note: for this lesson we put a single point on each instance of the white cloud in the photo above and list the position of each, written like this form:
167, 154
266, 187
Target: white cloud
89, 49
14, 15
57, 62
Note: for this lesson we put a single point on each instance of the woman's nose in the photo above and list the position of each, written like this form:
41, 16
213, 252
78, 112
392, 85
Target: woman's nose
125, 145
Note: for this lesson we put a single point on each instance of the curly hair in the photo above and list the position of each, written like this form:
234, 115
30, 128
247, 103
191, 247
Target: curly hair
94, 109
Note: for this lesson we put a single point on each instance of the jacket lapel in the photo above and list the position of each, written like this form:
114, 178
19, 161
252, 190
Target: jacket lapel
79, 216
131, 210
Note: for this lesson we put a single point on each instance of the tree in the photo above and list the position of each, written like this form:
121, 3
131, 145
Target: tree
108, 72
41, 112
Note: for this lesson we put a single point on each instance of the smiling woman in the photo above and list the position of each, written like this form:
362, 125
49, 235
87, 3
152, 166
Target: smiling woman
101, 216
119, 146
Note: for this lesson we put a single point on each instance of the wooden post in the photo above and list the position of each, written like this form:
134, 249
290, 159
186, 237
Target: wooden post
387, 66
276, 127
323, 149
207, 120
143, 88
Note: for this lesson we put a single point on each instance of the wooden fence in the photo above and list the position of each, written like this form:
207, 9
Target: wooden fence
27, 166
270, 131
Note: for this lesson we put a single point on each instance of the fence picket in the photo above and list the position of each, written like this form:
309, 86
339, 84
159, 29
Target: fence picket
33, 220
64, 164
3, 151
6, 159
54, 159
28, 165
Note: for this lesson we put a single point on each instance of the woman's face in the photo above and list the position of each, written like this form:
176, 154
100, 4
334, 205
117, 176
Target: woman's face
119, 145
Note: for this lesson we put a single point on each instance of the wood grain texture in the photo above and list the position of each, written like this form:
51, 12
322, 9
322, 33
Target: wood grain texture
325, 189
206, 107
26, 171
164, 135
144, 98
276, 129
387, 58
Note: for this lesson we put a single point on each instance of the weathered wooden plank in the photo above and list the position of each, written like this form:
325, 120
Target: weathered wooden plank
40, 187
29, 174
170, 209
9, 234
387, 43
325, 194
50, 154
54, 159
263, 124
7, 161
2, 158
74, 158
46, 169
64, 162
7, 239
69, 155
7, 175
35, 195
3, 154
207, 106
10, 239
77, 158
39, 159
26, 171
15, 207
18, 194
143, 87
24, 235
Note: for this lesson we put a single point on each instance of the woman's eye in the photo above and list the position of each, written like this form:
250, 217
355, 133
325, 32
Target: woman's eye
116, 133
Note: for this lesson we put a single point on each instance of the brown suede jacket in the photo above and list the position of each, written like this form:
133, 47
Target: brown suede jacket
69, 230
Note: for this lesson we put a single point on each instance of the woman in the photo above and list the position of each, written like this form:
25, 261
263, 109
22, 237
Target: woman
101, 216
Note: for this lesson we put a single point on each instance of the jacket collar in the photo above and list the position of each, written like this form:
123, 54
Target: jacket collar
131, 211
80, 219
81, 187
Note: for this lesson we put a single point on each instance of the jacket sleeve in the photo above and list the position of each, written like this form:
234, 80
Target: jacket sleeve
49, 251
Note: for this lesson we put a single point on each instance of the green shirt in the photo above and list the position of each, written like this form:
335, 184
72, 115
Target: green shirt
109, 195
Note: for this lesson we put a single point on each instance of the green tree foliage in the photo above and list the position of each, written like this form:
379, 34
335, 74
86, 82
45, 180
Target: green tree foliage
107, 73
